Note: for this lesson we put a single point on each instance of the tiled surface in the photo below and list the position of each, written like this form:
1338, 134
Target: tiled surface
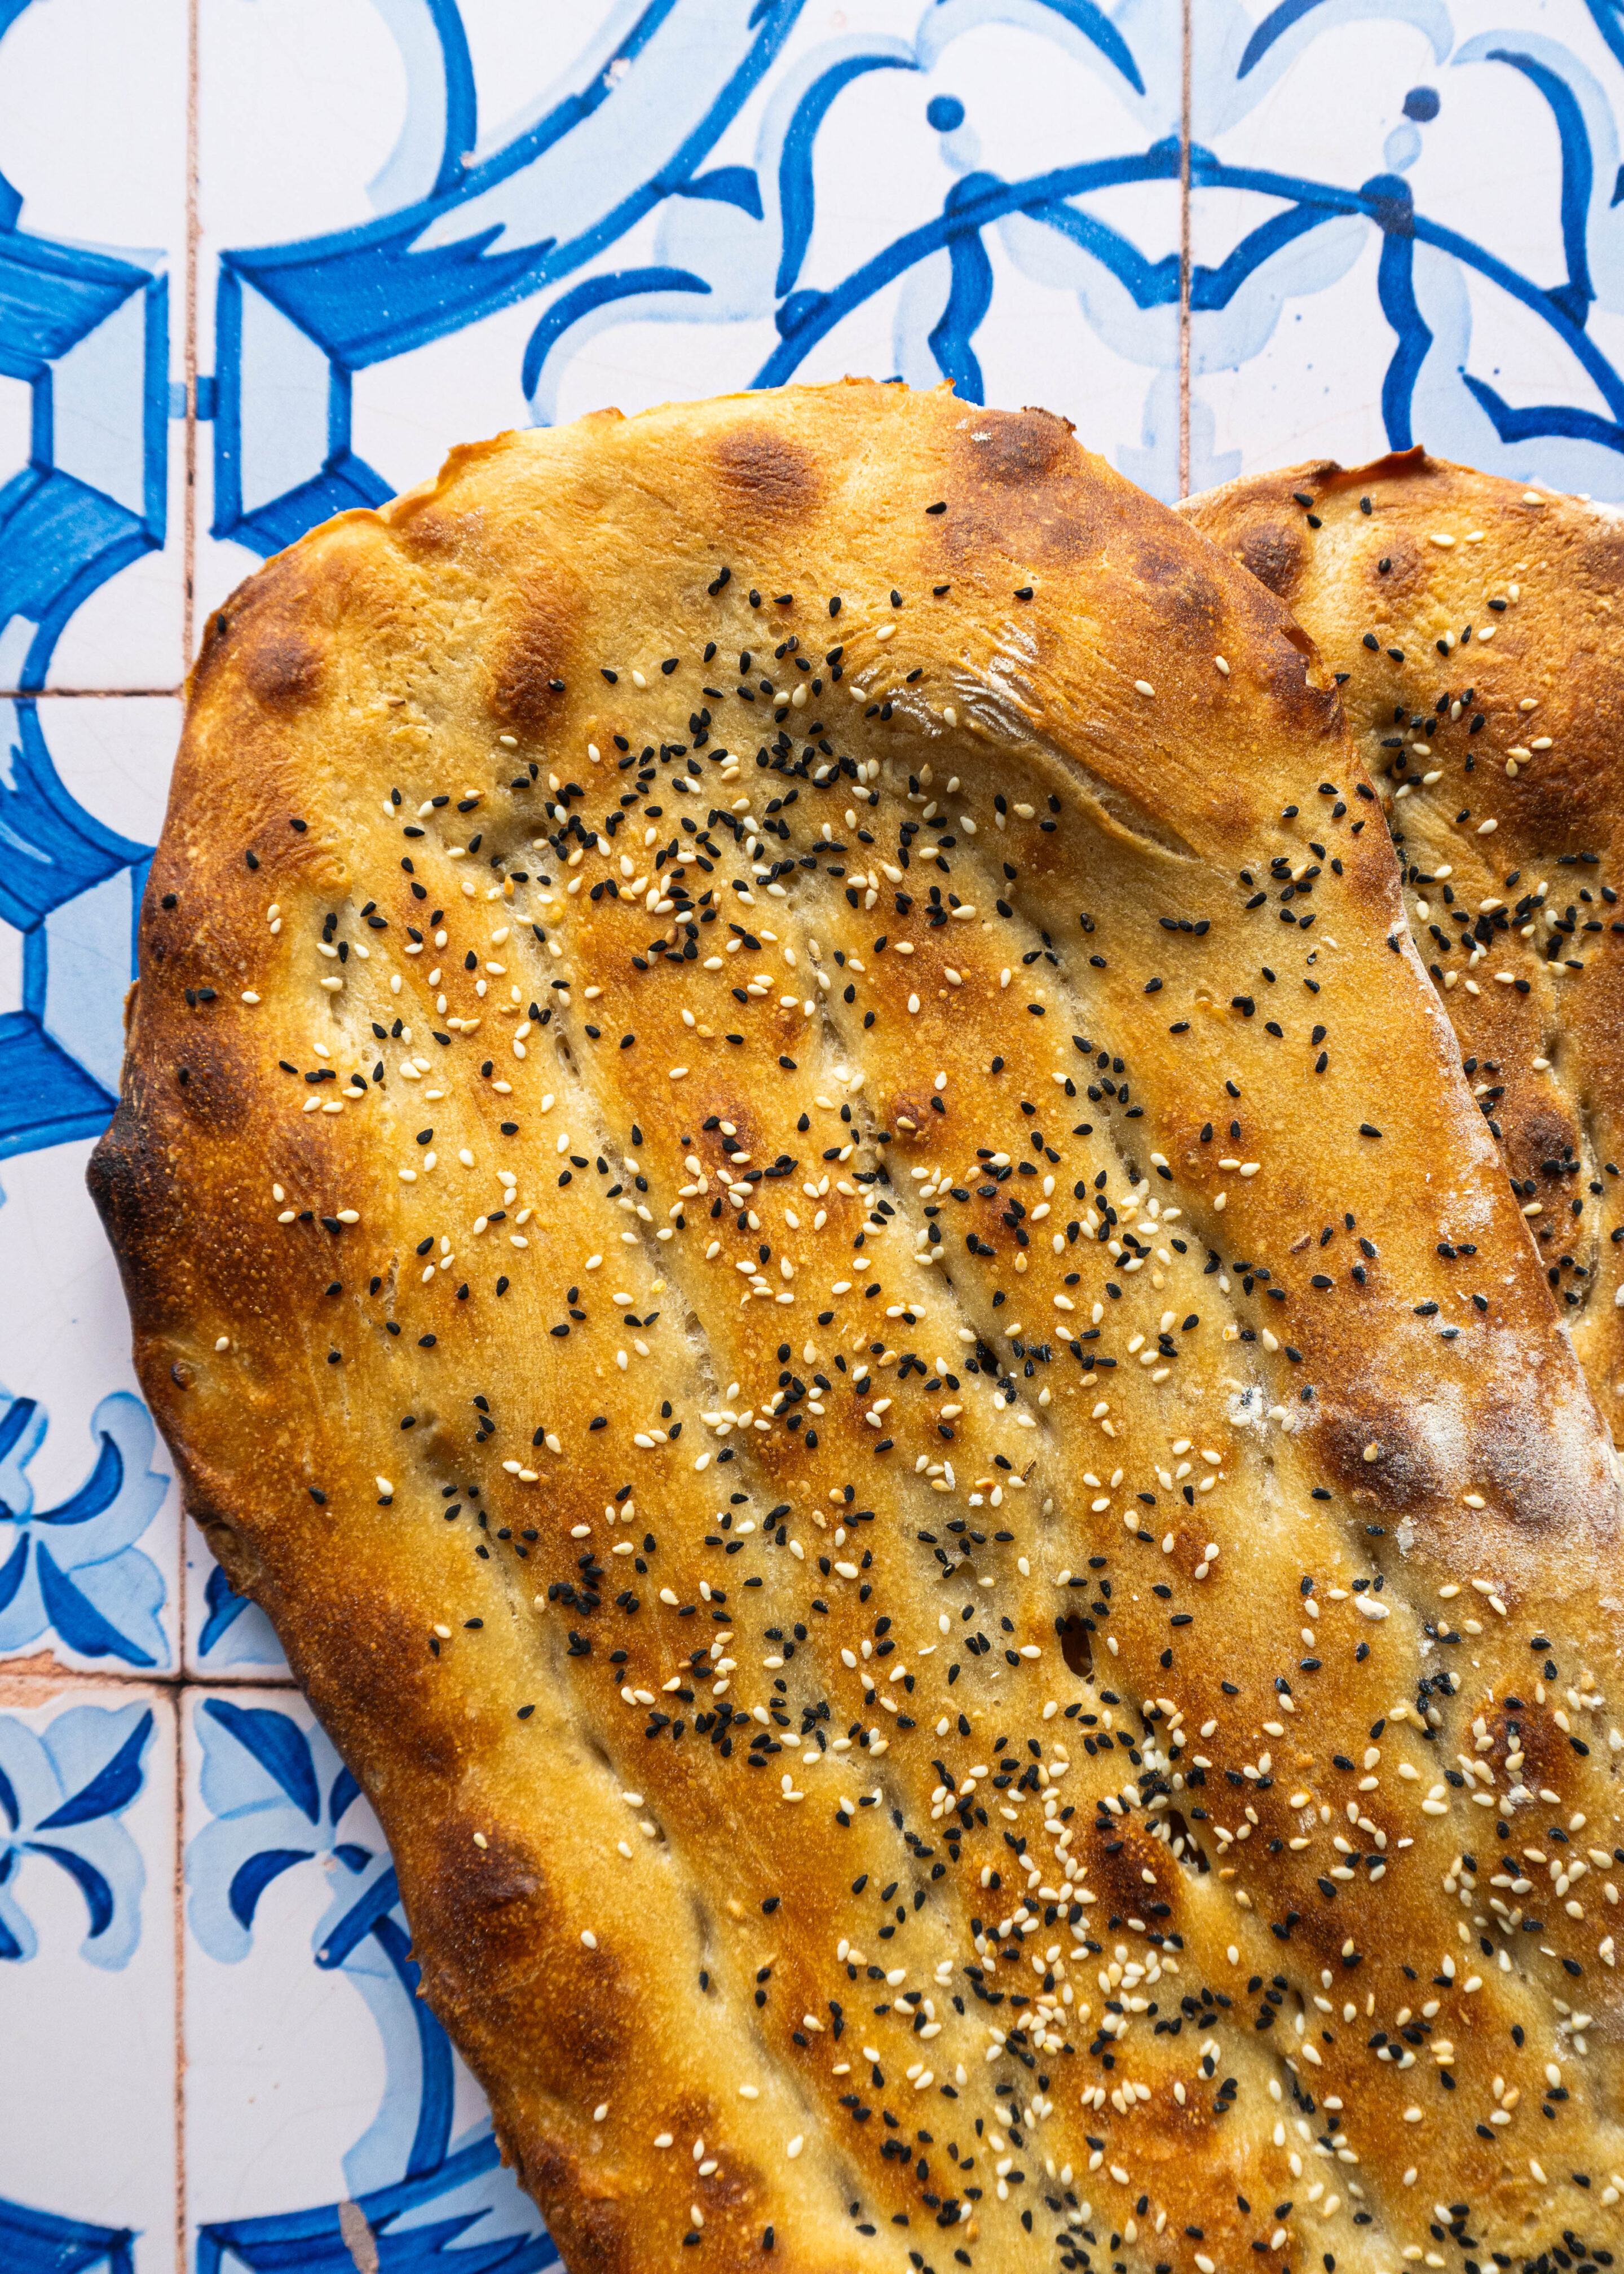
93, 126
825, 151
88, 1851
1432, 256
321, 2096
368, 228
89, 1539
227, 1636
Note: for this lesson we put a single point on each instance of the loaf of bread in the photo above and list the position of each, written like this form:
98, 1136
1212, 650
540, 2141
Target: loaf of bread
792, 1196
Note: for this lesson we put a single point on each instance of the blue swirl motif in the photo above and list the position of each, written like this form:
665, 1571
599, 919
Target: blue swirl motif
87, 334
629, 134
1315, 232
62, 1792
41, 2242
252, 1639
278, 1800
75, 1568
72, 887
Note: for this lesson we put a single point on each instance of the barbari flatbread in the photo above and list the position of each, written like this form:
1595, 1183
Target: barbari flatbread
793, 1198
1474, 624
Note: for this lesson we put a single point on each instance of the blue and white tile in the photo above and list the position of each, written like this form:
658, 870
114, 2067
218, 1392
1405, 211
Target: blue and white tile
328, 2120
92, 220
87, 1527
89, 1548
88, 2007
227, 1636
89, 1541
1432, 257
415, 234
83, 782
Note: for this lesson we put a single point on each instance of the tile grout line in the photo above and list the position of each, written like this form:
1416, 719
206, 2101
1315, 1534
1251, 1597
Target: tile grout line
189, 574
179, 1934
193, 230
25, 1677
1186, 35
179, 1897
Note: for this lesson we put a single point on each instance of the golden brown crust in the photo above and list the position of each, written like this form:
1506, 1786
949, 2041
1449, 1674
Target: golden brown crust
1126, 1406
1476, 624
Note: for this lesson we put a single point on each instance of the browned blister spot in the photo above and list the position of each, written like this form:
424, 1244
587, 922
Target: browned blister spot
481, 1914
591, 2212
1021, 449
282, 665
1546, 1131
1372, 1443
1184, 593
528, 654
434, 532
1272, 551
1130, 1870
1404, 575
762, 477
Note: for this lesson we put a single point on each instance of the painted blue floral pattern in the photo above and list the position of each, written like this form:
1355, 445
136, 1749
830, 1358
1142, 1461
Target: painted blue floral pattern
75, 1568
279, 1801
1451, 305
62, 1795
278, 1797
39, 2242
87, 334
228, 1615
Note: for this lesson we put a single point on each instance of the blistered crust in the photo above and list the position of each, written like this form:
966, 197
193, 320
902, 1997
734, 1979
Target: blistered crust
675, 1533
